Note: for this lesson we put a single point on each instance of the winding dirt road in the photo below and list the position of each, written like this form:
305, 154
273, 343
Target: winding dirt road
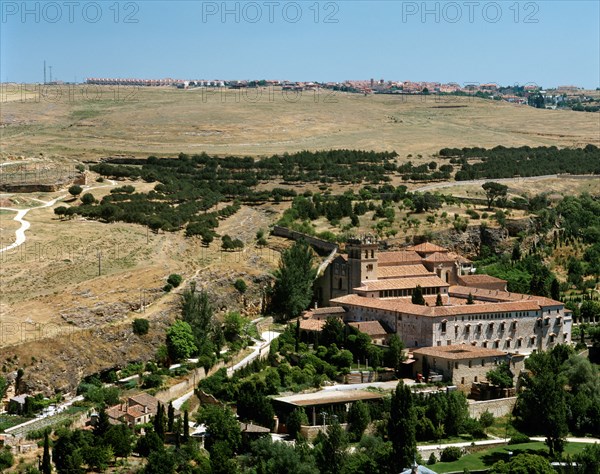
21, 213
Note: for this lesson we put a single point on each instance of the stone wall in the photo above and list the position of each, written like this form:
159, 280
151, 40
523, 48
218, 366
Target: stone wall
319, 244
499, 407
187, 385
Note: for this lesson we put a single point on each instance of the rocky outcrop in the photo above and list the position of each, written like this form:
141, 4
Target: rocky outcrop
63, 361
469, 242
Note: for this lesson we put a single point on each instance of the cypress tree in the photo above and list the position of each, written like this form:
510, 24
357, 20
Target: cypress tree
186, 426
170, 417
402, 428
46, 467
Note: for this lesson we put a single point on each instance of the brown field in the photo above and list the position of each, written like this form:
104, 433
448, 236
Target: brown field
88, 122
53, 277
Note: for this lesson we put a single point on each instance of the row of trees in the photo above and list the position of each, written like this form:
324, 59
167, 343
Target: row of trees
503, 162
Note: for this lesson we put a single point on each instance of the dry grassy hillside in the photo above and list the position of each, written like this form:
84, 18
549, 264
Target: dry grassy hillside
167, 121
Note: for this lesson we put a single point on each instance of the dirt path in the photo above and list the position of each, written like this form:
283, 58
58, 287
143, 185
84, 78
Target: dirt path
20, 237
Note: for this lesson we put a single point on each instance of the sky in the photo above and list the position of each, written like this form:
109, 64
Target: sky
548, 43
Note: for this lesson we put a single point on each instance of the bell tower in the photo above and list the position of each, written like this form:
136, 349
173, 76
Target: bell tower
362, 260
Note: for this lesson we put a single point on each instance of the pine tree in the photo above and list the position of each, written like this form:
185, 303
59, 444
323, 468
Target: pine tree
46, 466
470, 299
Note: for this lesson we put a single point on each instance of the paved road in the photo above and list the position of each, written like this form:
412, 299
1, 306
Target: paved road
485, 442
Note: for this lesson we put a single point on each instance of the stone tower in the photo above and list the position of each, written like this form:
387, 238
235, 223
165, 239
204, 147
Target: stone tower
362, 260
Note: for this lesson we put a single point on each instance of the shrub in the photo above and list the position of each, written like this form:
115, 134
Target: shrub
432, 460
519, 439
140, 326
240, 285
451, 453
168, 287
174, 280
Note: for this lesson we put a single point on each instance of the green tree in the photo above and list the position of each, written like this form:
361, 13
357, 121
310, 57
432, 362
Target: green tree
170, 417
140, 326
401, 428
233, 326
470, 299
294, 421
294, 279
160, 462
331, 455
119, 438
555, 290
501, 376
541, 407
6, 458
438, 300
174, 280
46, 466
240, 285
60, 211
88, 198
523, 464
75, 190
221, 426
393, 356
417, 296
158, 422
493, 192
180, 341
267, 457
358, 419
98, 457
186, 426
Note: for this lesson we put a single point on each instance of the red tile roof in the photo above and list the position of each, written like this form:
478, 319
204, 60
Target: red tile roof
372, 328
399, 257
402, 271
459, 352
427, 247
430, 281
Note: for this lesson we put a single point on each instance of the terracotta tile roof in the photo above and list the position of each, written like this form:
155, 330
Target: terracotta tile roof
399, 257
427, 247
474, 279
431, 281
497, 295
372, 328
398, 305
402, 271
403, 305
312, 324
439, 257
145, 400
325, 310
459, 352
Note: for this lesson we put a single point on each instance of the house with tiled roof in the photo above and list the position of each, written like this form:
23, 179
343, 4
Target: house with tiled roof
136, 410
462, 365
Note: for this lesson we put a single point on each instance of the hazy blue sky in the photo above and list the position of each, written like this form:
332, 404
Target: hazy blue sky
546, 42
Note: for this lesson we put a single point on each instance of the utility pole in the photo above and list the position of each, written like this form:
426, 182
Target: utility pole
99, 254
50, 67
